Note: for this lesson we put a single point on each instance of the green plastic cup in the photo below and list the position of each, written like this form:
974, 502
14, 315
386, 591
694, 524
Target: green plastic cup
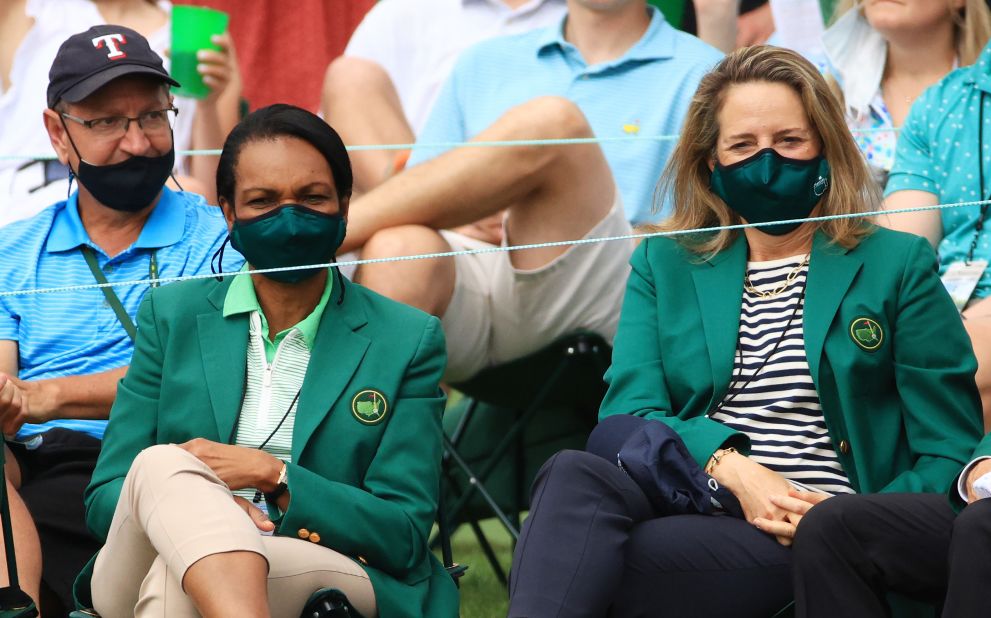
192, 27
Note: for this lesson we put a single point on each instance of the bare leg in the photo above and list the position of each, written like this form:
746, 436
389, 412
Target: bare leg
404, 281
361, 103
297, 570
553, 193
27, 545
216, 585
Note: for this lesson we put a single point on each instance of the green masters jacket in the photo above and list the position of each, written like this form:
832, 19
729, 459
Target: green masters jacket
365, 479
891, 362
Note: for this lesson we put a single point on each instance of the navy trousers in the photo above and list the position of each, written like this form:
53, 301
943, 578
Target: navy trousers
594, 546
852, 550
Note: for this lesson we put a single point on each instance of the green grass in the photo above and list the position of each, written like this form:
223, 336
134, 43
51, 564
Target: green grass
482, 596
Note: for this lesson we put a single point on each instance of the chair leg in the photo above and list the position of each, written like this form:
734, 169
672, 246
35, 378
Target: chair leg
476, 484
503, 446
490, 555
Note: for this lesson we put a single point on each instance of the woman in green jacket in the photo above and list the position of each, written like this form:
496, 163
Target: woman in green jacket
795, 361
276, 433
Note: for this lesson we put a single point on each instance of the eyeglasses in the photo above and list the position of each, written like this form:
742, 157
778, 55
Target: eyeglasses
115, 127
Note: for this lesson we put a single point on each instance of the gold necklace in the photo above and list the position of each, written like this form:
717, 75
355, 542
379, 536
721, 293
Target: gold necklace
763, 295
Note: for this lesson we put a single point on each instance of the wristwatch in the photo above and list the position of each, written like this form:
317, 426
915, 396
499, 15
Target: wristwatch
281, 486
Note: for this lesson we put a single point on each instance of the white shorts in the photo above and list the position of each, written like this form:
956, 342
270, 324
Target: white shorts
498, 313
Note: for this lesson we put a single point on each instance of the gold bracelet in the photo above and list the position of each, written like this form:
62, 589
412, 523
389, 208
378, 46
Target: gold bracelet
716, 457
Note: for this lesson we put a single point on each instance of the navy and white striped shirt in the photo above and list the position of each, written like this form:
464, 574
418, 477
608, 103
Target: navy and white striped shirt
779, 407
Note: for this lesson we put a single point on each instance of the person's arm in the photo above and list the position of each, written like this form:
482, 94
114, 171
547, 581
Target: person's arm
216, 114
134, 424
934, 376
637, 381
38, 401
925, 223
716, 22
755, 25
386, 521
914, 180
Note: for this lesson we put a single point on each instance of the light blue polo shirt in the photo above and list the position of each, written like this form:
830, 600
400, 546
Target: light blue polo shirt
644, 93
77, 333
937, 153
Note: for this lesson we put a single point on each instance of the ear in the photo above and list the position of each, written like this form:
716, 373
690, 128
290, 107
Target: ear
57, 135
345, 204
228, 209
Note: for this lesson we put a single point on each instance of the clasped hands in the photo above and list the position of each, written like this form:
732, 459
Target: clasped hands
25, 402
240, 468
768, 500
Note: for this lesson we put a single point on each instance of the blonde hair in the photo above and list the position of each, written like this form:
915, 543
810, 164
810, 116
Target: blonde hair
971, 27
852, 190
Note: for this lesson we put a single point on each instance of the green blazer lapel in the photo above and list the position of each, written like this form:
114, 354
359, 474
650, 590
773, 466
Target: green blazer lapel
719, 288
832, 269
224, 348
337, 352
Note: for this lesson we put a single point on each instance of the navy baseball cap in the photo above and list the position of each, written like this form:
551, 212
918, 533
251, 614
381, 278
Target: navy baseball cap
87, 61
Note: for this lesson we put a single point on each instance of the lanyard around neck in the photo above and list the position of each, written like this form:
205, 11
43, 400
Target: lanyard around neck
108, 292
979, 224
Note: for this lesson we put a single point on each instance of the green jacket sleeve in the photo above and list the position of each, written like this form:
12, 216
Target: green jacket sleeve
934, 375
983, 450
636, 378
386, 521
133, 420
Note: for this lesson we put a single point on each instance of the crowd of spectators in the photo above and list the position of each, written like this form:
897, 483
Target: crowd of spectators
95, 186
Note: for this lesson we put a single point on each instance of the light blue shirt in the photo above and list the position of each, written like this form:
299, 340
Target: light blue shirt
77, 333
937, 153
644, 93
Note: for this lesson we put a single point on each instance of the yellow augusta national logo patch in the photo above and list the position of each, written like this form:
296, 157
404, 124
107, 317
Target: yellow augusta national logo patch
867, 333
369, 406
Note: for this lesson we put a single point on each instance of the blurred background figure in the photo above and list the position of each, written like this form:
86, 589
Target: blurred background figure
883, 55
283, 53
382, 89
30, 34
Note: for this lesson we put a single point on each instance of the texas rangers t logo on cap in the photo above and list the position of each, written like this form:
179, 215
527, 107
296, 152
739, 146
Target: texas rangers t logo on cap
111, 41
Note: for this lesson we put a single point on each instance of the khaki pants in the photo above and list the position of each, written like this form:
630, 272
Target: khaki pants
173, 510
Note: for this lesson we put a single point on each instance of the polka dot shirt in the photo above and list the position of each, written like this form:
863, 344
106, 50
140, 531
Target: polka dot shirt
937, 152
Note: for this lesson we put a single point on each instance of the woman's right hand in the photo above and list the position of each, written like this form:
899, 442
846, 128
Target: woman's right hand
258, 516
753, 485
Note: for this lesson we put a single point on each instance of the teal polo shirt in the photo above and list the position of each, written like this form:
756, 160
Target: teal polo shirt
77, 333
644, 93
938, 152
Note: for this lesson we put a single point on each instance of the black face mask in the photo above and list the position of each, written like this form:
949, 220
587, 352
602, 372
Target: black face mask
128, 186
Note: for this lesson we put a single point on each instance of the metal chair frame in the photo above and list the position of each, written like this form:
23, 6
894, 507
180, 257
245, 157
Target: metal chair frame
573, 349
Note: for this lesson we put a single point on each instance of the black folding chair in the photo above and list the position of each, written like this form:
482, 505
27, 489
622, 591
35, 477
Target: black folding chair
514, 417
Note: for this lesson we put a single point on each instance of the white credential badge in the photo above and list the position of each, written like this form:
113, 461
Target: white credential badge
960, 280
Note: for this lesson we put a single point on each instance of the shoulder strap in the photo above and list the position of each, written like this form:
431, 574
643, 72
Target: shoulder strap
109, 294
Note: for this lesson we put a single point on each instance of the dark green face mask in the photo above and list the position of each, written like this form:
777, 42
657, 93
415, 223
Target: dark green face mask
769, 187
290, 235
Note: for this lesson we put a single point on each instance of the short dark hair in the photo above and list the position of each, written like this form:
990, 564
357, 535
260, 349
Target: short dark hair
282, 120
